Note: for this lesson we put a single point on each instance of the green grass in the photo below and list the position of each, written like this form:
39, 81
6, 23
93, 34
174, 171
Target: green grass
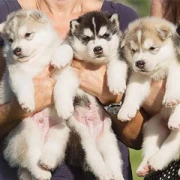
135, 158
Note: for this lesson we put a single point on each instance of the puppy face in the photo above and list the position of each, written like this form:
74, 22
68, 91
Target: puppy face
148, 44
95, 36
25, 32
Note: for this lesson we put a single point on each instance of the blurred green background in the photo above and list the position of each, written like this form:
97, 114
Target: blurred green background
142, 7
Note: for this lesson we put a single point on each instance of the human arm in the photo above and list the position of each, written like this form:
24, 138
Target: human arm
156, 8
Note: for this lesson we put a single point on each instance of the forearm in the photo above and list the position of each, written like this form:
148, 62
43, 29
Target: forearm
130, 133
156, 8
10, 115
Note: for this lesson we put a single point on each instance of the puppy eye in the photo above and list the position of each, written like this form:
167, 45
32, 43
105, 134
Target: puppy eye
28, 36
152, 48
106, 35
133, 51
11, 40
86, 38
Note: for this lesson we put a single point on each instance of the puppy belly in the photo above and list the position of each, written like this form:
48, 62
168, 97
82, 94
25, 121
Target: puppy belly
42, 120
91, 116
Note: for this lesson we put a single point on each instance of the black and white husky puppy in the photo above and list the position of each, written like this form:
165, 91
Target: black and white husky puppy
95, 38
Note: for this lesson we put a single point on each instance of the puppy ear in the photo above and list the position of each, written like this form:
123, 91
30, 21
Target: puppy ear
2, 26
122, 43
123, 39
178, 30
73, 25
164, 32
38, 16
115, 19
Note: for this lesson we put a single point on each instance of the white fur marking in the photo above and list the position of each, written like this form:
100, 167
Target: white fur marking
103, 30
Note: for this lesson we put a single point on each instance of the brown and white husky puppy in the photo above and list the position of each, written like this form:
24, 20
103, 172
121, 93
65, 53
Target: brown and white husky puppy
149, 46
31, 43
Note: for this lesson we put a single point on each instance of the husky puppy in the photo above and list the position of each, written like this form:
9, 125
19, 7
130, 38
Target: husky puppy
150, 50
95, 38
31, 43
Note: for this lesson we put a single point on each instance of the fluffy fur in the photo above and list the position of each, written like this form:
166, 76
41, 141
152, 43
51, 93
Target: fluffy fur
151, 52
30, 44
95, 38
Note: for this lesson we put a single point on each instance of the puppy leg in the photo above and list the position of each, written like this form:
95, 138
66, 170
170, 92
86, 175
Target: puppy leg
169, 151
33, 165
174, 121
24, 91
26, 140
64, 92
117, 82
35, 140
54, 148
63, 56
154, 135
93, 157
137, 91
172, 95
107, 145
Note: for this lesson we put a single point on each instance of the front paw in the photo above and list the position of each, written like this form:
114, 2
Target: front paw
174, 122
171, 100
27, 105
65, 110
126, 113
116, 87
62, 57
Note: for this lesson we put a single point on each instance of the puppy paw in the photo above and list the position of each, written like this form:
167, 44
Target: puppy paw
156, 162
174, 123
65, 110
143, 169
62, 57
126, 113
116, 87
28, 106
171, 100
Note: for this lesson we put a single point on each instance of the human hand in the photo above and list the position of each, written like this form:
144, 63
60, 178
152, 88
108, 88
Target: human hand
43, 89
154, 102
93, 80
43, 85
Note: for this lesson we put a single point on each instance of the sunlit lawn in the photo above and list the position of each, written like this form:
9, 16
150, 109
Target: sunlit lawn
135, 157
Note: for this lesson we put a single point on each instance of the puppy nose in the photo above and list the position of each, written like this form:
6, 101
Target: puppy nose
17, 51
140, 64
98, 50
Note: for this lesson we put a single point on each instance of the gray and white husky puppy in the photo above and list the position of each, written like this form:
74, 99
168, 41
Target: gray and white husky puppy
31, 43
150, 48
95, 38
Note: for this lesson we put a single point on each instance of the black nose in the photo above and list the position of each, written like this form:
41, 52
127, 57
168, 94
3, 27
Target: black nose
17, 51
140, 64
98, 50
